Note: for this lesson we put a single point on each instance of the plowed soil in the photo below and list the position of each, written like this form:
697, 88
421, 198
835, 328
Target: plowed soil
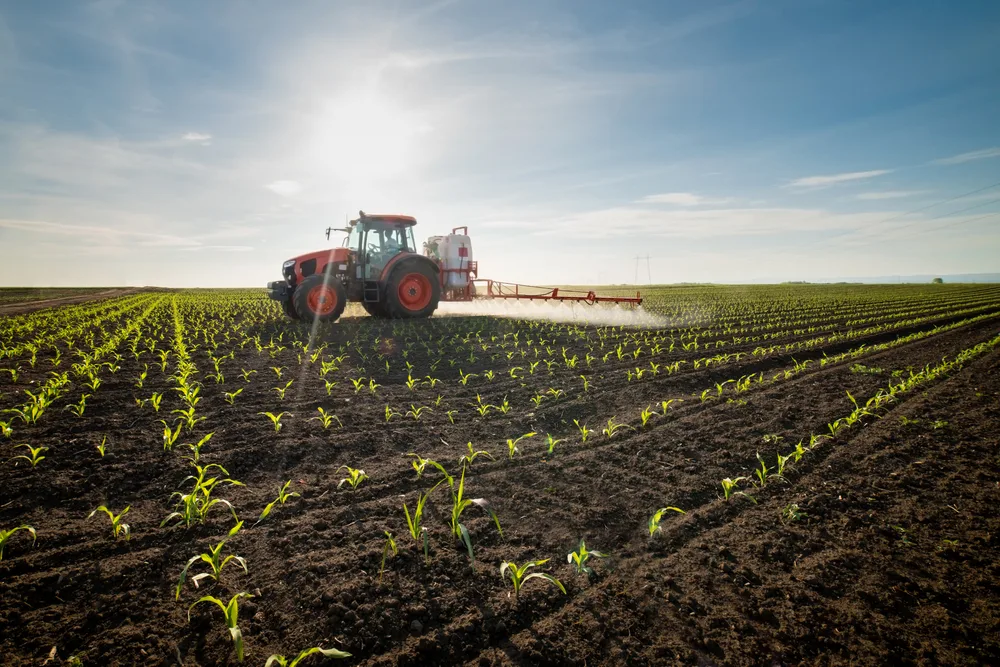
891, 557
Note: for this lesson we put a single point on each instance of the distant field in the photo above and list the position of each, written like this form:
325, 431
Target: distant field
22, 294
832, 451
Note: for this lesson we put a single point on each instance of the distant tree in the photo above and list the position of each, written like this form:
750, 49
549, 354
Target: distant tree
937, 281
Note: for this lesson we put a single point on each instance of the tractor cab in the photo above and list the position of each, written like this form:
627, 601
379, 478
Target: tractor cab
376, 239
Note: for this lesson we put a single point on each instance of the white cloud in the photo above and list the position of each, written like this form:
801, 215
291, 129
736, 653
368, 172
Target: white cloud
285, 188
888, 194
676, 198
971, 155
199, 137
833, 179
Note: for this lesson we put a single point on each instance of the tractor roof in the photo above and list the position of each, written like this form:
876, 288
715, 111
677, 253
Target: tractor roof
391, 218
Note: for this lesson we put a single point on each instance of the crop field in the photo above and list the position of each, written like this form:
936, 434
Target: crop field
757, 475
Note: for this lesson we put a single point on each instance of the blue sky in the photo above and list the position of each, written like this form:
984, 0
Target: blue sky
202, 143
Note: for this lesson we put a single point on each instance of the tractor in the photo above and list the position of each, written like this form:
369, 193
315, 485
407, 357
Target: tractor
379, 266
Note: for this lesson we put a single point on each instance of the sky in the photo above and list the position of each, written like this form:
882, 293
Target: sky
191, 143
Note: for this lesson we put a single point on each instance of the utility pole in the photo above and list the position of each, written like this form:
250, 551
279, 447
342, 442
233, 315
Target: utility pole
649, 276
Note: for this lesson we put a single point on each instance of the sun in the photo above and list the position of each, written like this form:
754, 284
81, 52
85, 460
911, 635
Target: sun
363, 140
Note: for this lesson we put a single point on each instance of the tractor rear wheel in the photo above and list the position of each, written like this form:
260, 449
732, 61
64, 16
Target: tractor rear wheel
412, 291
320, 298
289, 308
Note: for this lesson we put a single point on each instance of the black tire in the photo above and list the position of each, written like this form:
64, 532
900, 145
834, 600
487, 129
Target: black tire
413, 290
313, 295
289, 308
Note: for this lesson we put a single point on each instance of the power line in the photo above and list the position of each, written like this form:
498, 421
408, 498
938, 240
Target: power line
872, 229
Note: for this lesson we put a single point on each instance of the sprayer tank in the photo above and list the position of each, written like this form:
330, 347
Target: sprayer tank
454, 251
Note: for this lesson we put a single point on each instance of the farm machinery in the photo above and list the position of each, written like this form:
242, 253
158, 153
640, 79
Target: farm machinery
379, 266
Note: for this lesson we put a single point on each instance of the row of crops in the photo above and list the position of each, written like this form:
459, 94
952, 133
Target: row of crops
219, 440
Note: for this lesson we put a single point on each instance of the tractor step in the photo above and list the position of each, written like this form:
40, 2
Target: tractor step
370, 291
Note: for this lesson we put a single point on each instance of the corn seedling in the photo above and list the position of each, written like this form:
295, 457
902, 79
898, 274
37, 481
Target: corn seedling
155, 399
613, 427
390, 413
552, 442
354, 477
584, 431
119, 529
458, 505
6, 430
193, 507
5, 536
451, 415
654, 521
79, 408
586, 382
373, 386
415, 412
390, 546
512, 444
646, 415
214, 560
782, 461
231, 395
196, 448
580, 557
282, 661
275, 419
101, 448
470, 457
231, 612
281, 390
329, 386
413, 523
520, 575
326, 418
170, 436
283, 496
36, 456
791, 513
245, 374
762, 471
188, 418
465, 377
729, 484
359, 384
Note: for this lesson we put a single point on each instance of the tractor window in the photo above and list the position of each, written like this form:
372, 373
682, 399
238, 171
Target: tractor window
353, 238
384, 242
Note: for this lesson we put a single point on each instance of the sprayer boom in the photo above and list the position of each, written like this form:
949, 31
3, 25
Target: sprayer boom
495, 289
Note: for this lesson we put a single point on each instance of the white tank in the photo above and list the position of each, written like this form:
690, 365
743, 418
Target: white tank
455, 254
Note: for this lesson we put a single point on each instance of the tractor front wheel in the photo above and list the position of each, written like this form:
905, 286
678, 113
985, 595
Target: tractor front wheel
413, 291
320, 299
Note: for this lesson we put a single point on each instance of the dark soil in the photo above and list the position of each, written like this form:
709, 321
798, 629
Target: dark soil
891, 558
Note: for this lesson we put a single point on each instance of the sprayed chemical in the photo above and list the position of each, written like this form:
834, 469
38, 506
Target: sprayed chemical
610, 315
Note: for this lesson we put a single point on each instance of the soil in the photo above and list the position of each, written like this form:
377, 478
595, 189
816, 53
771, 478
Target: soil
29, 306
881, 546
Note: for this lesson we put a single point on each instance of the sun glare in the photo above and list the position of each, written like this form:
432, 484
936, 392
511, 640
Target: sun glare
363, 140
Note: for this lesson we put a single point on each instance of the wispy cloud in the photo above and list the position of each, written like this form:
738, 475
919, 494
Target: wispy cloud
285, 188
889, 194
199, 137
834, 179
981, 154
681, 199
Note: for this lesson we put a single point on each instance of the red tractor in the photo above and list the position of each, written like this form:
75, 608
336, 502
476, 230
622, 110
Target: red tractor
379, 266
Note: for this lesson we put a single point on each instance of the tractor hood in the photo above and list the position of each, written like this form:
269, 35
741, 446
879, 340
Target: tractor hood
298, 268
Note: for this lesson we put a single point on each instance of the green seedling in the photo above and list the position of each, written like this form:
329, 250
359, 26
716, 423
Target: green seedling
5, 536
170, 436
281, 390
35, 457
231, 395
283, 496
354, 477
584, 431
512, 448
729, 484
552, 442
390, 545
282, 661
520, 575
471, 455
580, 557
414, 522
326, 418
654, 521
275, 419
101, 448
231, 612
214, 560
119, 529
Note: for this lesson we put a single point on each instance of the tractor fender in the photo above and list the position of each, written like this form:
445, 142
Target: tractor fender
408, 259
